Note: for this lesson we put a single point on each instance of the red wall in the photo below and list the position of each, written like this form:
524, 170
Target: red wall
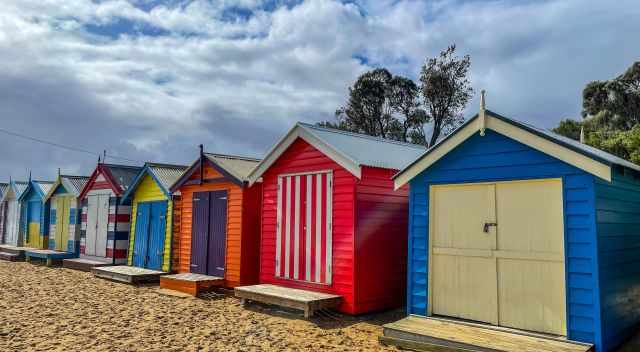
302, 157
381, 241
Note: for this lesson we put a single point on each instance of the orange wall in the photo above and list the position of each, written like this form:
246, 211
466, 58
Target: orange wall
235, 230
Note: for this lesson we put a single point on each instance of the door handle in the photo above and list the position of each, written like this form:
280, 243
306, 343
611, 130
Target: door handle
487, 224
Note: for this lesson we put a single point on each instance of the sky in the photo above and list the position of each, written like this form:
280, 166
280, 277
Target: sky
151, 80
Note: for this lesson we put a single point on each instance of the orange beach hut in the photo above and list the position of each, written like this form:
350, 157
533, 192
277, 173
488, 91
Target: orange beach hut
216, 231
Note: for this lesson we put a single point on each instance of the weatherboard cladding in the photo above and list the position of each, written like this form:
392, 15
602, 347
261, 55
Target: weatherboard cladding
3, 189
35, 214
12, 231
68, 186
601, 239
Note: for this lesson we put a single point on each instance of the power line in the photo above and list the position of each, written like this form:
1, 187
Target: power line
58, 145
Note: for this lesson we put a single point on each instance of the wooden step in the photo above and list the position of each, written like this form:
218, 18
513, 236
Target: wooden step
50, 256
190, 283
83, 264
5, 248
441, 335
12, 257
128, 274
305, 300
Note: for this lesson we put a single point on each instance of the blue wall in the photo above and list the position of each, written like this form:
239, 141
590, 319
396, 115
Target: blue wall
618, 219
498, 158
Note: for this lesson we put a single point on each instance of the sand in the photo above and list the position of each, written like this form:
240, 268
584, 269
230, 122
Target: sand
56, 309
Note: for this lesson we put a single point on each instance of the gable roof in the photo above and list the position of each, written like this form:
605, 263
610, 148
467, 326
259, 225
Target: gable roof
164, 175
582, 156
40, 187
118, 176
15, 187
72, 184
349, 150
233, 167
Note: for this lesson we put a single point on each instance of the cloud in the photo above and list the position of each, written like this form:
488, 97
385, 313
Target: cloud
150, 80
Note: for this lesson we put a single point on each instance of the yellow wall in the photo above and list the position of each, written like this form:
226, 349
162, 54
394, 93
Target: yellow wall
148, 191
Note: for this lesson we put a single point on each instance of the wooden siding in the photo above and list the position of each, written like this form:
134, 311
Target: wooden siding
381, 241
148, 191
235, 231
498, 158
250, 255
618, 220
301, 157
175, 234
41, 227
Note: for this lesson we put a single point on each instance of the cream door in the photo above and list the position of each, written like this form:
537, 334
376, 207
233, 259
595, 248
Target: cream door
530, 254
497, 254
102, 227
463, 268
92, 225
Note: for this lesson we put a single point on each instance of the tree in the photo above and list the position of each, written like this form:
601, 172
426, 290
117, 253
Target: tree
611, 115
445, 90
395, 107
382, 105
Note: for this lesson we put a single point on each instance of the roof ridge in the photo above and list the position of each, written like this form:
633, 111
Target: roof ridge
362, 135
121, 166
75, 176
175, 166
230, 156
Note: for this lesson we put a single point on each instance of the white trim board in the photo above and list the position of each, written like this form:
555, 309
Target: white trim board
519, 134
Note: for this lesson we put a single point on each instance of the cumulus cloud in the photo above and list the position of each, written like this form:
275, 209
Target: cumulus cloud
151, 79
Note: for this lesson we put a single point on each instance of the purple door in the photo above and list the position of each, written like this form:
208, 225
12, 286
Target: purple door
209, 232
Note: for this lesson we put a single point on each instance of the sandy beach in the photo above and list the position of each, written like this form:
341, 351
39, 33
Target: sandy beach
55, 309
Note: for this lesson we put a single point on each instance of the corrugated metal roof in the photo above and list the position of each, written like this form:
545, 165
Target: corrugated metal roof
77, 183
45, 186
238, 166
123, 175
20, 187
166, 174
367, 150
3, 188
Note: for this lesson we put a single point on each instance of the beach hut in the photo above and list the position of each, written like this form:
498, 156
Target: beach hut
334, 231
34, 219
515, 226
152, 209
216, 230
104, 230
11, 246
65, 210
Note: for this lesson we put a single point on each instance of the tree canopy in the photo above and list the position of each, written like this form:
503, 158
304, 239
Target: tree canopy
395, 107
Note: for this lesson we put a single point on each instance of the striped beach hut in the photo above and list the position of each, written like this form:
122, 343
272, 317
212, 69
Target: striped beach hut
12, 209
34, 218
331, 221
216, 230
104, 232
152, 210
515, 226
65, 209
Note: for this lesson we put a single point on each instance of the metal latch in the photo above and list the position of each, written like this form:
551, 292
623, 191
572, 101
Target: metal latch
486, 226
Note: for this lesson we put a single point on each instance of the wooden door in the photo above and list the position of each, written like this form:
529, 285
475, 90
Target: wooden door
200, 233
141, 235
12, 223
304, 227
92, 225
497, 254
530, 256
157, 235
34, 209
102, 226
217, 234
463, 268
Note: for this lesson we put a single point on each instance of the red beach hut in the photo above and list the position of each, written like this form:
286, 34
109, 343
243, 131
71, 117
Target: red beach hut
332, 222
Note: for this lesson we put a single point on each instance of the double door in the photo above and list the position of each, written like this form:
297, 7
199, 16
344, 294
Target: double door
97, 225
150, 233
497, 254
63, 214
209, 233
12, 223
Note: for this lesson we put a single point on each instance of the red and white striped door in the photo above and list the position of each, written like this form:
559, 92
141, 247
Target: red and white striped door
303, 234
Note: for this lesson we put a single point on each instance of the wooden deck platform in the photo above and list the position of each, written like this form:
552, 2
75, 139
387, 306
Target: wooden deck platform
127, 274
444, 335
85, 263
307, 301
50, 256
12, 253
190, 283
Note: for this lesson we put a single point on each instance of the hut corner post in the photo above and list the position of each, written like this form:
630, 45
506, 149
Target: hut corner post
115, 230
